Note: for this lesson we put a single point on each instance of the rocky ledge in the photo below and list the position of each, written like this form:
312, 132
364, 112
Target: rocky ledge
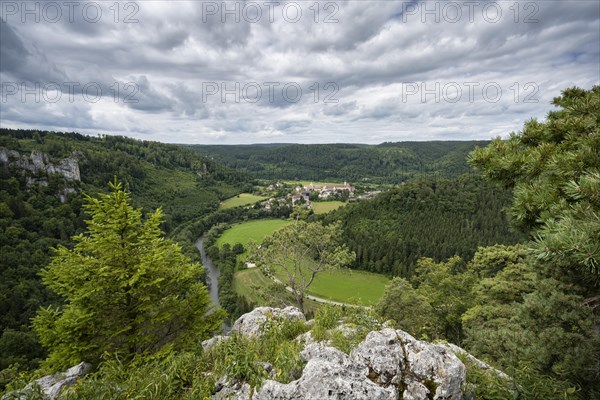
388, 364
50, 386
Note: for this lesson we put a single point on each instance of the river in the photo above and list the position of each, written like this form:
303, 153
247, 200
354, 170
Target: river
212, 272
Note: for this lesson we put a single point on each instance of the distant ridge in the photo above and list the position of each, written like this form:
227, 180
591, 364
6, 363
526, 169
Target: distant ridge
388, 162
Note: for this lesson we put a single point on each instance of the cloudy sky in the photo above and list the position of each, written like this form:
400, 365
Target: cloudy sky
303, 72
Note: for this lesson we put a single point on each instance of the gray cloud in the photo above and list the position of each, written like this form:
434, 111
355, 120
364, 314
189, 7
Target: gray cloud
377, 53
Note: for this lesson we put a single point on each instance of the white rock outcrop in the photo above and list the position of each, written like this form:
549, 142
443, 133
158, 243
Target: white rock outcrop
250, 324
50, 386
395, 357
39, 163
329, 374
388, 364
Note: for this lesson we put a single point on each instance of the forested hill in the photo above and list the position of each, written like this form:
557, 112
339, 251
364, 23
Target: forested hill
427, 217
43, 176
181, 181
384, 163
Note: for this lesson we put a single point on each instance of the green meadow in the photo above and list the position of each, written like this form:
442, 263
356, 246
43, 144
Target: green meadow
251, 284
323, 207
242, 199
346, 286
251, 230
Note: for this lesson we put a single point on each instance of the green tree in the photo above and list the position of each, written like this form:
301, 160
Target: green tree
432, 303
544, 309
300, 251
127, 289
554, 168
410, 311
447, 289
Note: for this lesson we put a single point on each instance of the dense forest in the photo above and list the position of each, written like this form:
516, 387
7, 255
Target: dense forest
39, 211
427, 217
384, 163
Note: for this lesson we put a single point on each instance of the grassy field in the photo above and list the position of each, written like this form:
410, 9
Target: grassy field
242, 199
324, 207
251, 230
251, 283
346, 286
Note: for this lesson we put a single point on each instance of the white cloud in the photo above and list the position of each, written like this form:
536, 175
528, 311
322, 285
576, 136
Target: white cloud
397, 73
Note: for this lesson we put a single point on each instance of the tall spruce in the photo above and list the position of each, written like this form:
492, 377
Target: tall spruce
127, 290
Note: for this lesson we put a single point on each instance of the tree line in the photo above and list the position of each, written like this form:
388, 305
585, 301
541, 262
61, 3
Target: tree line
384, 163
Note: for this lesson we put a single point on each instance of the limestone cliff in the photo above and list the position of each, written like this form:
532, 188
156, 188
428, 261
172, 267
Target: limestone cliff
38, 163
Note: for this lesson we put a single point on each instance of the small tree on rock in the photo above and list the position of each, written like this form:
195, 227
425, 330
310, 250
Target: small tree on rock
300, 251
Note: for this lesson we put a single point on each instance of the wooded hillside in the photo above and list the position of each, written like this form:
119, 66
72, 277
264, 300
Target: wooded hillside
357, 163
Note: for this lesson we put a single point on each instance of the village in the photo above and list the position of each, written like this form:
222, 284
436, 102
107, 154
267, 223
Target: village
311, 194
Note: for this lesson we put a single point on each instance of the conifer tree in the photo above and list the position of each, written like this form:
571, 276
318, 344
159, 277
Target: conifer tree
554, 168
127, 290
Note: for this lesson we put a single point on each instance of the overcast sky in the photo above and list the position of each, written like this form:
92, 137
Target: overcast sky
302, 72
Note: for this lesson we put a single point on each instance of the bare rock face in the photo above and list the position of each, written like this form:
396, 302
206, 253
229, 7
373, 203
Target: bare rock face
329, 374
50, 386
395, 357
209, 343
39, 163
482, 365
388, 364
228, 390
250, 324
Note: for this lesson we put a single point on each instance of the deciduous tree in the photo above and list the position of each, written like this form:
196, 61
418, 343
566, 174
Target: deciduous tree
300, 251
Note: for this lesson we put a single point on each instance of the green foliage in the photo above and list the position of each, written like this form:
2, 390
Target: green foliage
33, 220
127, 290
16, 379
384, 163
193, 374
430, 217
542, 310
524, 383
41, 211
409, 310
492, 259
439, 293
505, 310
170, 377
302, 250
554, 168
243, 358
185, 184
344, 327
